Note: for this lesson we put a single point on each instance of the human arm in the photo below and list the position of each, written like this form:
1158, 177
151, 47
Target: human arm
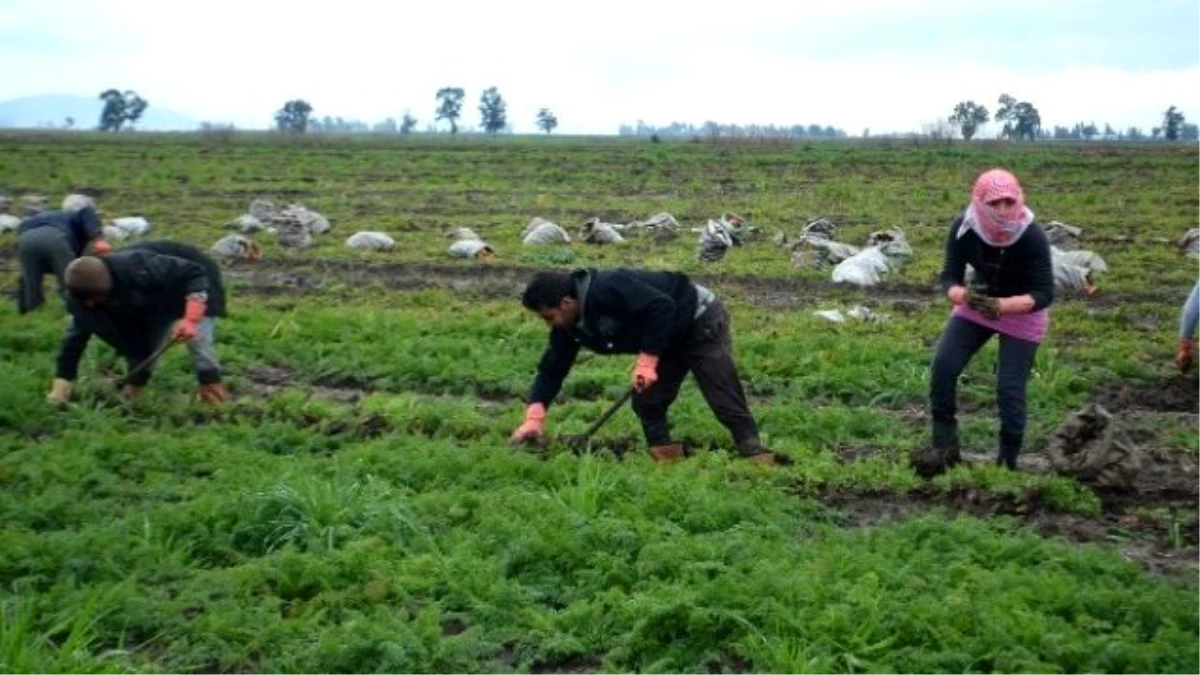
1040, 267
87, 224
66, 368
553, 368
1189, 317
556, 362
954, 266
156, 272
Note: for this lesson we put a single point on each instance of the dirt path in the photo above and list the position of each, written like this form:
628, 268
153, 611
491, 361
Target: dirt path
505, 280
302, 276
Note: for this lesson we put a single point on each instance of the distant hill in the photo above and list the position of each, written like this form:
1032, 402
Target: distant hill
51, 110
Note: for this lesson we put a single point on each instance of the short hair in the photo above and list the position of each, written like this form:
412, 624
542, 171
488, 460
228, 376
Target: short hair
87, 275
547, 289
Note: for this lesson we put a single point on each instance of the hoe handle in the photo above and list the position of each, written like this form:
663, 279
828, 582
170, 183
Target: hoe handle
145, 364
612, 410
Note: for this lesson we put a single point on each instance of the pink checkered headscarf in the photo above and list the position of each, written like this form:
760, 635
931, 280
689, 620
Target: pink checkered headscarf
991, 226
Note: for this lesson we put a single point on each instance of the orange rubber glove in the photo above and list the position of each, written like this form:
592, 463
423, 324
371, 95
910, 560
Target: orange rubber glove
1185, 353
535, 417
645, 372
101, 247
187, 327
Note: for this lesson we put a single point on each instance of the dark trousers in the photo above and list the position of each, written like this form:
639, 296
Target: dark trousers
41, 251
960, 341
707, 352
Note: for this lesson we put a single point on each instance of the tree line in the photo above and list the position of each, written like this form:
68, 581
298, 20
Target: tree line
716, 129
1022, 121
296, 116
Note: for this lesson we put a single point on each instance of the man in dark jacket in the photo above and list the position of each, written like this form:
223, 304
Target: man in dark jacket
47, 243
136, 298
673, 325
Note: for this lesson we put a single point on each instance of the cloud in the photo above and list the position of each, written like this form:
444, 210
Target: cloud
851, 64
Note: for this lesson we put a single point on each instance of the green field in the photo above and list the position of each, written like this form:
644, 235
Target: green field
357, 507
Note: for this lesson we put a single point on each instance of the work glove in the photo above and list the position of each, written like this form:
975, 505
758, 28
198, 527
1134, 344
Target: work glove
645, 372
101, 247
957, 295
188, 327
984, 304
131, 391
1185, 354
531, 428
60, 392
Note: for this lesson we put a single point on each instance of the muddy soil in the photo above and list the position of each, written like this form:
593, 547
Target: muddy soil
503, 280
498, 279
302, 276
1176, 394
266, 381
1154, 522
1163, 544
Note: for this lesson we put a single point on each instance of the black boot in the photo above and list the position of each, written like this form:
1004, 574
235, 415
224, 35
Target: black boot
945, 438
944, 451
1010, 448
753, 450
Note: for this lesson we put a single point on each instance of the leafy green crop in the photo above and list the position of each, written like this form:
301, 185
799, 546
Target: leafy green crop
357, 506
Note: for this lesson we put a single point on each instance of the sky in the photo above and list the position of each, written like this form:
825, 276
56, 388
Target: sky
883, 65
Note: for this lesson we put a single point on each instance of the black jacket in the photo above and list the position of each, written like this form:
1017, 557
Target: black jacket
1022, 267
80, 226
622, 311
149, 293
216, 288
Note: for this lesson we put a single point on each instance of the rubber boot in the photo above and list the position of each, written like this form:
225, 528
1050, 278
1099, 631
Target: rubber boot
666, 454
944, 451
753, 450
1010, 449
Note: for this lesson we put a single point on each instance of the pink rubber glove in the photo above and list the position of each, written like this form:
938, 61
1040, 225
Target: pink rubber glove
645, 372
957, 295
535, 417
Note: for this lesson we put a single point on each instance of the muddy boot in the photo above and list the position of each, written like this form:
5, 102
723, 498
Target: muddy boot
214, 394
1010, 448
666, 454
753, 450
943, 453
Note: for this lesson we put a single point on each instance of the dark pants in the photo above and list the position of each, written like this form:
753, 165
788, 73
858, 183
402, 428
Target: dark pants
41, 251
960, 341
707, 352
136, 346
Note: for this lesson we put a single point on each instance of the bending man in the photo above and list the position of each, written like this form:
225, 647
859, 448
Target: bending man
673, 325
135, 299
47, 243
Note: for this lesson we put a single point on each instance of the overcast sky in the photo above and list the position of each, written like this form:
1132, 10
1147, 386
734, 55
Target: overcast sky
887, 65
